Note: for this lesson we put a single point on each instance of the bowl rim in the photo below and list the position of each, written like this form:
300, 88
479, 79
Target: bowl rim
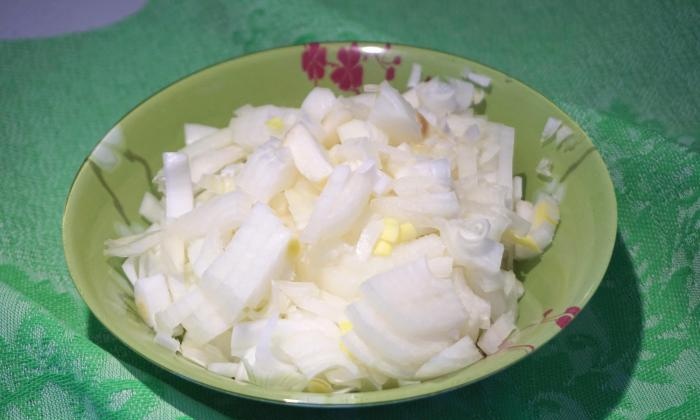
311, 402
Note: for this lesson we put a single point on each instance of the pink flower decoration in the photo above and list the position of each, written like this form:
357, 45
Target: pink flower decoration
573, 310
564, 320
348, 74
313, 61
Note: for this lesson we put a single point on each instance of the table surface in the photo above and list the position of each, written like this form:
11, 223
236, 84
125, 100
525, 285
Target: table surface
627, 71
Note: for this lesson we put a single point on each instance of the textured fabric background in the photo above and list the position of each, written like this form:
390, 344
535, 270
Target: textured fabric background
628, 71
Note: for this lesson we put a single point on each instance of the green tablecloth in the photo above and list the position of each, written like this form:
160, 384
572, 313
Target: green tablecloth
629, 72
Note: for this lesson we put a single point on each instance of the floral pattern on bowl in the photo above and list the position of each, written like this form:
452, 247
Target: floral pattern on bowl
348, 72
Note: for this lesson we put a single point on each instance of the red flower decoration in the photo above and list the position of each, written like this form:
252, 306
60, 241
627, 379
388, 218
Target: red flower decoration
390, 73
564, 320
573, 310
348, 74
313, 61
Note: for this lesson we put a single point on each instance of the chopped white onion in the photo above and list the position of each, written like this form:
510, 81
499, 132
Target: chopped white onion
129, 268
347, 245
393, 115
457, 356
309, 156
550, 127
317, 103
544, 168
479, 79
414, 77
151, 208
340, 204
497, 333
151, 295
563, 133
224, 368
240, 277
268, 171
211, 162
194, 132
178, 185
167, 341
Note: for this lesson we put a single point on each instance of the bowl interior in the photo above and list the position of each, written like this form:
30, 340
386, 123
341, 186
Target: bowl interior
109, 186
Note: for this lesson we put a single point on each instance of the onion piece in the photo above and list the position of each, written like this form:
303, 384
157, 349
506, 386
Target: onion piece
550, 127
309, 157
479, 79
421, 209
245, 335
240, 277
318, 103
194, 132
368, 237
544, 168
437, 97
457, 356
506, 141
211, 162
178, 185
333, 216
492, 338
414, 302
268, 171
221, 213
441, 267
167, 342
266, 370
369, 358
414, 77
250, 128
563, 133
394, 116
128, 246
470, 245
224, 368
464, 91
384, 339
151, 208
301, 199
129, 267
151, 295
314, 353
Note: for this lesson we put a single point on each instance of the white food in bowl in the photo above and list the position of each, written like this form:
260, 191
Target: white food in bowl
348, 245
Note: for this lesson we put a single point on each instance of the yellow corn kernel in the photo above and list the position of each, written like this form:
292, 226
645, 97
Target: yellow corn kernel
275, 124
391, 230
407, 232
382, 248
345, 326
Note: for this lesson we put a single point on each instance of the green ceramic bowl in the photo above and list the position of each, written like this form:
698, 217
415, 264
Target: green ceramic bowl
108, 188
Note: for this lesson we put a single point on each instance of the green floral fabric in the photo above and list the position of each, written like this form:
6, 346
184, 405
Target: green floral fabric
628, 71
